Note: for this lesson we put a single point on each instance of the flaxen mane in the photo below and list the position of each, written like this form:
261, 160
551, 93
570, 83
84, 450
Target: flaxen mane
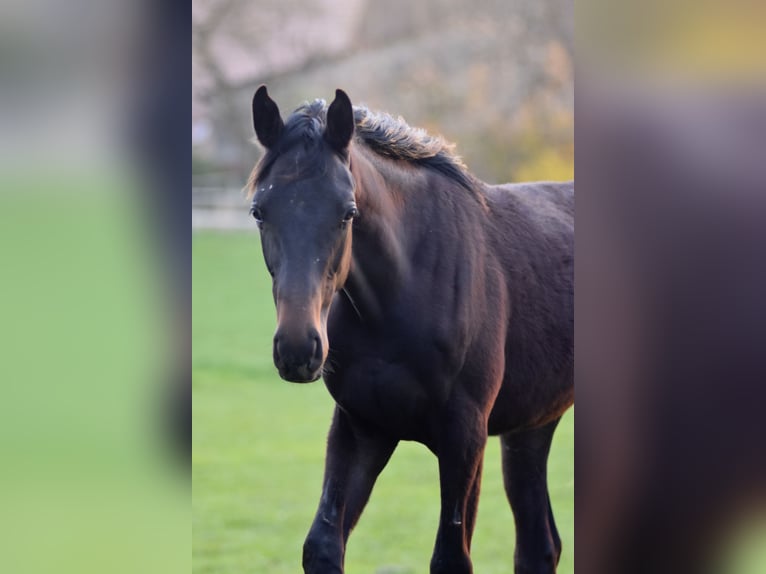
385, 135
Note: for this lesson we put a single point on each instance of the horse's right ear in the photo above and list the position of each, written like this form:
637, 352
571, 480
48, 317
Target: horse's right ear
267, 122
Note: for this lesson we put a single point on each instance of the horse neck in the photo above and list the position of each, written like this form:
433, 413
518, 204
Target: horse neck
394, 200
380, 250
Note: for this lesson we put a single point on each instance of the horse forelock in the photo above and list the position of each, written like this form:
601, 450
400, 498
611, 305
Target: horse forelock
304, 126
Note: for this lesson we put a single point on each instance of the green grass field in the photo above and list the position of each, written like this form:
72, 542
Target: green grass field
259, 449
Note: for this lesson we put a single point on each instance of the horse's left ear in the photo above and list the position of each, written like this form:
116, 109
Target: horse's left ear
340, 122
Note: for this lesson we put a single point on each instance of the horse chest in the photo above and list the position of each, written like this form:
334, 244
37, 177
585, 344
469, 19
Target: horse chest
385, 394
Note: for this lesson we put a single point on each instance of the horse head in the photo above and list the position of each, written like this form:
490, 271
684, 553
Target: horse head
303, 203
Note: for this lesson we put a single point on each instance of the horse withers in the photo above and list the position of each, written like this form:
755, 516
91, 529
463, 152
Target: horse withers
436, 307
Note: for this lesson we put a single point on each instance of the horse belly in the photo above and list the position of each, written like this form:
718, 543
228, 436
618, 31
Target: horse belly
383, 394
524, 403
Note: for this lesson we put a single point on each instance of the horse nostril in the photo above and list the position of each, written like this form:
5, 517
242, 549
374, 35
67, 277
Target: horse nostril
316, 354
277, 353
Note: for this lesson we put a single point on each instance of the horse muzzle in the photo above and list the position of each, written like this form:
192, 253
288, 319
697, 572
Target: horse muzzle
299, 360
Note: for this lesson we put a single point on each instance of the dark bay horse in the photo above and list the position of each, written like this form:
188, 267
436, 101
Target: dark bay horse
437, 308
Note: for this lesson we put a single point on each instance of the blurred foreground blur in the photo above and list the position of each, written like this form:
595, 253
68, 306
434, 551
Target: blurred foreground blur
95, 287
671, 277
671, 376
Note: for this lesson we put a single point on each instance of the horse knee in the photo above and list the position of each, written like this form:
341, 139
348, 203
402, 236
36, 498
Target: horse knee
557, 553
554, 532
322, 555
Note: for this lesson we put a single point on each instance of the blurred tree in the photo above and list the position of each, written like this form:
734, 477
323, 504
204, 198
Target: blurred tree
493, 75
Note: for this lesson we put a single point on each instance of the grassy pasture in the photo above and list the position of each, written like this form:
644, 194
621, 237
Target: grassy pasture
259, 449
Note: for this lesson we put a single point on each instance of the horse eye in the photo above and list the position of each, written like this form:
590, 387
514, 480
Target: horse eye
350, 214
257, 214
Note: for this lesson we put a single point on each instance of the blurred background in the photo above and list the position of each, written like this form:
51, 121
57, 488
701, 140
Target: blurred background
496, 78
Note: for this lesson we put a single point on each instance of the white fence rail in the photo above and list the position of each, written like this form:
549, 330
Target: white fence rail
220, 208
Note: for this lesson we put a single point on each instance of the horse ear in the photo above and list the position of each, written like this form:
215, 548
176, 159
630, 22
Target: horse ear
267, 122
340, 121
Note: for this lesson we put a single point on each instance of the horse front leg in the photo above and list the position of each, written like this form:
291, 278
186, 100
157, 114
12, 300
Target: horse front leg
461, 451
355, 458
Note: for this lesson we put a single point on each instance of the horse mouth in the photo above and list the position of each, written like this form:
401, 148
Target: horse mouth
300, 375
